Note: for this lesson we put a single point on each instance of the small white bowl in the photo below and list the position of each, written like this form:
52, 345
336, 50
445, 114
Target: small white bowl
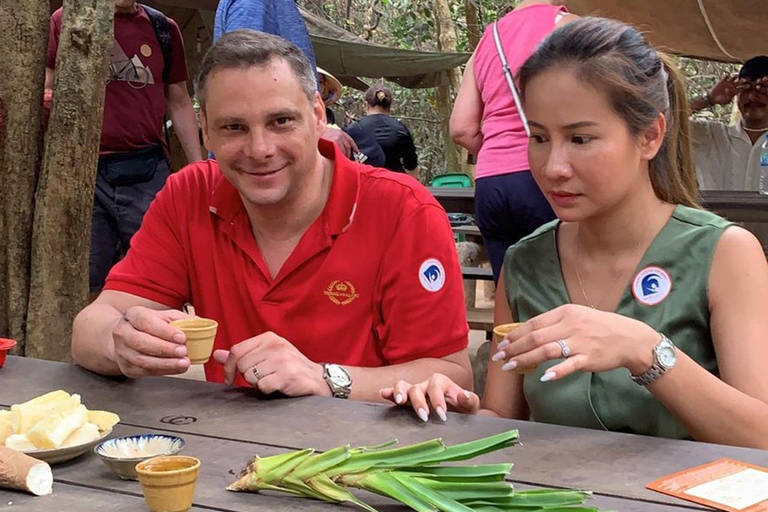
121, 454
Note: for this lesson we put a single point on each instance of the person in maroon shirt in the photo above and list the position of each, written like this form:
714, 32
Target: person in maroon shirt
326, 276
133, 164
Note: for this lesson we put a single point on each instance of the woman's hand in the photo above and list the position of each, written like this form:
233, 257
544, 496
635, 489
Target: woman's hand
596, 341
438, 391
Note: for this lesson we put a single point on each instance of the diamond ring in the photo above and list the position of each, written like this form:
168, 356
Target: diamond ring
255, 371
564, 350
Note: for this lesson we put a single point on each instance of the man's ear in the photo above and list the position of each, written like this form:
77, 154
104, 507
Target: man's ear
653, 137
318, 108
204, 128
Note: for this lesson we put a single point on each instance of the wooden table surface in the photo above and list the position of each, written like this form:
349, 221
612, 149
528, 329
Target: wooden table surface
225, 427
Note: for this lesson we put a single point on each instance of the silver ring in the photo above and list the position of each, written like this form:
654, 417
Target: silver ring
564, 350
255, 371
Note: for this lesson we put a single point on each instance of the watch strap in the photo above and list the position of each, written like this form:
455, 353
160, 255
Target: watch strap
656, 370
336, 390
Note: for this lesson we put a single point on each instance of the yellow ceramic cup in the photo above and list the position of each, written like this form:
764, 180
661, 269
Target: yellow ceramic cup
502, 330
200, 332
168, 482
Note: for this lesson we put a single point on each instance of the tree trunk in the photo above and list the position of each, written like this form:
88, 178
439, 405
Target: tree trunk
474, 30
23, 39
61, 238
455, 156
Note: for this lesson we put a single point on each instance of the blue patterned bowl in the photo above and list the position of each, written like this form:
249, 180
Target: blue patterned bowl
121, 454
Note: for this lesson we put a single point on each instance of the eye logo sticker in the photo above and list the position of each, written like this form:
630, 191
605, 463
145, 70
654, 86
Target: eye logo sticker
432, 275
651, 286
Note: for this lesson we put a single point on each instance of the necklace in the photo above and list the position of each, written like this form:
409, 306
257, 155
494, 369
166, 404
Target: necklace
754, 130
613, 283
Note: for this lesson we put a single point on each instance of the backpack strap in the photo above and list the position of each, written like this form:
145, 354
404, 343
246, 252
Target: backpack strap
162, 28
510, 80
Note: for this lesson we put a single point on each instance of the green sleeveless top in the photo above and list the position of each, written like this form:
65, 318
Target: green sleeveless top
668, 291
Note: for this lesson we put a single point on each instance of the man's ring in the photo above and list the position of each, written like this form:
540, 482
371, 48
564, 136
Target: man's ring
564, 350
255, 371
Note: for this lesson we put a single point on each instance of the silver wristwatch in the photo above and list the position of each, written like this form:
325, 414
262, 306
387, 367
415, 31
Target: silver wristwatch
338, 380
664, 358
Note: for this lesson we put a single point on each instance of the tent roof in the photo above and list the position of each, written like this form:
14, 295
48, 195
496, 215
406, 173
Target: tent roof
347, 56
681, 26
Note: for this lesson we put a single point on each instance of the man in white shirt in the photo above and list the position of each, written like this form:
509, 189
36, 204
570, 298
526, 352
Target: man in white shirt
727, 157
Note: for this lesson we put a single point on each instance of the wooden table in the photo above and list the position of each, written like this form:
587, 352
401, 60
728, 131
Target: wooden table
224, 427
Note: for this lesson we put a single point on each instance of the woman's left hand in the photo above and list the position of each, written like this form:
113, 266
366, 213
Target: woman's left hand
596, 341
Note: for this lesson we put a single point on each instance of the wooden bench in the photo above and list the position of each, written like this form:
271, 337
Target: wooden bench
483, 274
480, 319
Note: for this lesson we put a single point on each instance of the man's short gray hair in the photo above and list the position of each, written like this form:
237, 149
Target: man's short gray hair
246, 48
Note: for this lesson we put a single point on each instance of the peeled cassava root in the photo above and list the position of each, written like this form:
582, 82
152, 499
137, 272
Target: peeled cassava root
22, 472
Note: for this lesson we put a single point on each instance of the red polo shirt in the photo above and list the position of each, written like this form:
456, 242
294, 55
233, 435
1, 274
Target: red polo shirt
374, 281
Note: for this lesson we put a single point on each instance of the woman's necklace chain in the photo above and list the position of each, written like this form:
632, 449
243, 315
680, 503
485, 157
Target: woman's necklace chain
613, 283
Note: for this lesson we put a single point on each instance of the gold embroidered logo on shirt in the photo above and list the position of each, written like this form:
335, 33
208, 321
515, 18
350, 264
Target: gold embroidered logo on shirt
341, 293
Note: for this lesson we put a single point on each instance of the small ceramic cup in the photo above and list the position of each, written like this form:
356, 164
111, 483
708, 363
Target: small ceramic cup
498, 335
201, 333
502, 330
168, 482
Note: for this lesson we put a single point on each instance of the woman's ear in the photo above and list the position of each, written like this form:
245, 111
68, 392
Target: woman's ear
653, 137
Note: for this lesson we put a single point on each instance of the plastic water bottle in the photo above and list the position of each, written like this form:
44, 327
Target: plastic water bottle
763, 187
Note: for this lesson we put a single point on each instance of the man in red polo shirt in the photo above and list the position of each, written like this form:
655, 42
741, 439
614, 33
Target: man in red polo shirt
327, 277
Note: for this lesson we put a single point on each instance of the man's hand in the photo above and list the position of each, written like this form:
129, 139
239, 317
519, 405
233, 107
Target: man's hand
270, 363
726, 89
342, 139
146, 344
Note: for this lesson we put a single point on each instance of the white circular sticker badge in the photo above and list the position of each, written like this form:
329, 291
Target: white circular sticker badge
651, 286
432, 275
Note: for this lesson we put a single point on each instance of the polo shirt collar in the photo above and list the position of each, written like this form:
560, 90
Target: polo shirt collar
339, 210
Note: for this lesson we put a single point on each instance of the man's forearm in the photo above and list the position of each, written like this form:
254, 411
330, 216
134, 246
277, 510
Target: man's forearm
92, 342
366, 382
185, 125
699, 103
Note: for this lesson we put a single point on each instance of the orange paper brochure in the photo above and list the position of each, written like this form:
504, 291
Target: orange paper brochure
725, 484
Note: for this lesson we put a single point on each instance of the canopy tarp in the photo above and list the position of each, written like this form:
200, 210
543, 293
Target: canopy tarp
681, 26
342, 53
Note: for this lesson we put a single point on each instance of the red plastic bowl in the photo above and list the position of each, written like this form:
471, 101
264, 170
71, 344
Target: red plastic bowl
5, 346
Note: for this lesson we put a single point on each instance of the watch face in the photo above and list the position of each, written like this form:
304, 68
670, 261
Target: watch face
666, 355
339, 376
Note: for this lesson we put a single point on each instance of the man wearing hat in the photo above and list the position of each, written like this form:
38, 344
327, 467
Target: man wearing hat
727, 157
363, 146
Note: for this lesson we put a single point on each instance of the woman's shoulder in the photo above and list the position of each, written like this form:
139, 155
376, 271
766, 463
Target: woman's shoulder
541, 240
700, 218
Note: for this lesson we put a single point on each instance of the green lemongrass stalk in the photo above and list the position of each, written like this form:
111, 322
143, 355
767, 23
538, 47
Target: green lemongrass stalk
410, 474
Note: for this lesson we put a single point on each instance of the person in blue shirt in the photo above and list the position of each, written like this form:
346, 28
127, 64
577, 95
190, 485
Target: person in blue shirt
278, 17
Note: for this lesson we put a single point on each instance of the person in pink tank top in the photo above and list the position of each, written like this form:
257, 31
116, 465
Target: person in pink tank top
485, 120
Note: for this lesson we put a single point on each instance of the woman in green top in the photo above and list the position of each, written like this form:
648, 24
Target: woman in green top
642, 312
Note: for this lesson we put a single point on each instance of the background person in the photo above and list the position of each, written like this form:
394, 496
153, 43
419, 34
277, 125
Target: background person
147, 80
728, 156
391, 134
485, 120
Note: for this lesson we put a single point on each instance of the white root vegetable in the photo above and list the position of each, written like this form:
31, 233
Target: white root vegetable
22, 472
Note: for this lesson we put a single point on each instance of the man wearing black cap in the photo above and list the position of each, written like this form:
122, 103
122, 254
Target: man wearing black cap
728, 157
